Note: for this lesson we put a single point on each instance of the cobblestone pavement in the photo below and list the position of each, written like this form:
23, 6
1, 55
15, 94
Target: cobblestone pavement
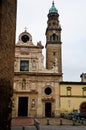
51, 128
54, 121
23, 128
62, 127
53, 124
23, 121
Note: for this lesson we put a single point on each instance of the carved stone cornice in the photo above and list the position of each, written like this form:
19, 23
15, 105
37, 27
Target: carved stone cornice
48, 99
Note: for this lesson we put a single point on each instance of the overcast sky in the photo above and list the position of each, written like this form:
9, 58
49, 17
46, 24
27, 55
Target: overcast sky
33, 15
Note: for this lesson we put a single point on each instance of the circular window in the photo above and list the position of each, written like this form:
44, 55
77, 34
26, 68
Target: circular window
25, 38
48, 91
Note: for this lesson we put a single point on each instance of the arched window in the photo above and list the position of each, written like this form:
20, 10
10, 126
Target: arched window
68, 91
54, 37
24, 65
84, 91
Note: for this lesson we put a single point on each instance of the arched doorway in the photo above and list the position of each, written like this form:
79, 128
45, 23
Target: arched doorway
83, 108
48, 109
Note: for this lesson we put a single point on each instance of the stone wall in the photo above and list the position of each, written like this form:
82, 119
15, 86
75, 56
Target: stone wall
7, 51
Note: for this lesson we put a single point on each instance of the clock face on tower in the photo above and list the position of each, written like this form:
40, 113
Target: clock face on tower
25, 38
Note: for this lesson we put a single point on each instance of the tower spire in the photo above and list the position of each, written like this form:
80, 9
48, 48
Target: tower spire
53, 3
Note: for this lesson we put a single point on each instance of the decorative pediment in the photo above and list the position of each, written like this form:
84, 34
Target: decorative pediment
25, 39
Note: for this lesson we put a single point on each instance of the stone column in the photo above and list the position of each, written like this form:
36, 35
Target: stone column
57, 107
7, 53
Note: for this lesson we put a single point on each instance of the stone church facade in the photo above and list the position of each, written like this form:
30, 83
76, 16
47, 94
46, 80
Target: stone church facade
40, 91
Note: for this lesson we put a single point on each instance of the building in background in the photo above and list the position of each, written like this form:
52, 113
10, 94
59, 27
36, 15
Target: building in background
73, 95
40, 91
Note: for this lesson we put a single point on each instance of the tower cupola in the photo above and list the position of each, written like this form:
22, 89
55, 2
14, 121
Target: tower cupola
53, 8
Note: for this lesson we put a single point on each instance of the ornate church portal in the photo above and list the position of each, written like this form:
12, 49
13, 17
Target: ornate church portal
23, 106
48, 109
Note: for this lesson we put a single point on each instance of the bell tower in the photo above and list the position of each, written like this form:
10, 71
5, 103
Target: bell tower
53, 40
